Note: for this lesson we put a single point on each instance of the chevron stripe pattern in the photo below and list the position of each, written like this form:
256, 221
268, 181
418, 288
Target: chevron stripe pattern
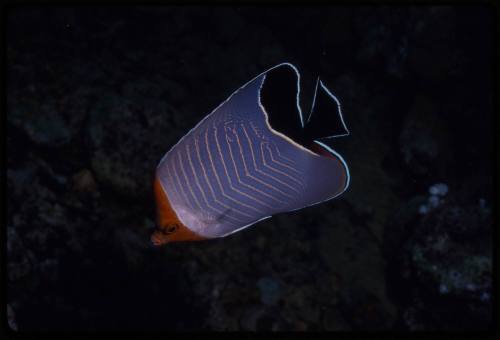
232, 170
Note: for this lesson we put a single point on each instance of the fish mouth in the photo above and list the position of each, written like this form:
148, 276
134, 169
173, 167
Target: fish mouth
159, 238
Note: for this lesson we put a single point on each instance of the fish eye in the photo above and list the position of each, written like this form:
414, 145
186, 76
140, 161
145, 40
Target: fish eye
171, 228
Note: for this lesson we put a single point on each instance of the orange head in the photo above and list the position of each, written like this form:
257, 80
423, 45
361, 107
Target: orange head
169, 227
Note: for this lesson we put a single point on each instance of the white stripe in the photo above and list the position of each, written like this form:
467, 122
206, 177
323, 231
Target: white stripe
340, 111
314, 99
347, 181
234, 93
343, 163
277, 133
245, 226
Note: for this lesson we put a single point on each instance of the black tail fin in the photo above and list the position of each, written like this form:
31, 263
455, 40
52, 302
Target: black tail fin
325, 119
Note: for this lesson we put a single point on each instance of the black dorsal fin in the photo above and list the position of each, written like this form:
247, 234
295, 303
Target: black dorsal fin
325, 119
279, 96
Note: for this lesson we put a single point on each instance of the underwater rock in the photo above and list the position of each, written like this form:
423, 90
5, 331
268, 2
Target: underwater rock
424, 139
291, 265
269, 290
43, 213
11, 318
450, 257
36, 221
83, 181
132, 245
250, 318
219, 320
412, 315
434, 24
300, 326
436, 49
333, 321
129, 133
439, 189
437, 62
98, 78
358, 261
257, 319
228, 24
48, 115
20, 260
385, 39
43, 123
436, 198
363, 310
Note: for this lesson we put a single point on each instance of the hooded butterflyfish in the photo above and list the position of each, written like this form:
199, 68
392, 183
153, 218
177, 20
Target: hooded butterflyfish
252, 157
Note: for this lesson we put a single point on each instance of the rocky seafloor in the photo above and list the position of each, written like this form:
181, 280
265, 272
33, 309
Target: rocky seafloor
96, 96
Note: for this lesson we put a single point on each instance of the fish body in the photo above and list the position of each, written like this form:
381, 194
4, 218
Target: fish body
240, 165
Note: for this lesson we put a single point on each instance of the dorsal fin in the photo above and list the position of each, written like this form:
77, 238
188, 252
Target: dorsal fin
279, 96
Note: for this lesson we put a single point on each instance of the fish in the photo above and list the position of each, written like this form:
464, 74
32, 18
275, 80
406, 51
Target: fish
255, 155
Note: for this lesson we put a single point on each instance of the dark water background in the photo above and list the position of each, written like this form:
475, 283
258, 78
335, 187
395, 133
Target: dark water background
96, 96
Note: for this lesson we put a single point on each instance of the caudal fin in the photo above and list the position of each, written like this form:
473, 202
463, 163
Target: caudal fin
325, 119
